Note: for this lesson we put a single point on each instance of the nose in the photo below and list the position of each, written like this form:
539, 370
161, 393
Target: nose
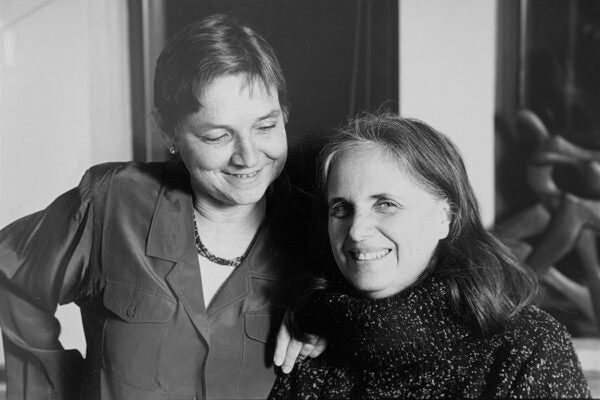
361, 227
245, 153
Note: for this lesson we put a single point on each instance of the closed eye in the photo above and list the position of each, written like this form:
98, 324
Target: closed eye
215, 140
267, 128
216, 137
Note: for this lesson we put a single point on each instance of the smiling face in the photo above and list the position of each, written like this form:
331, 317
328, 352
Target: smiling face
383, 228
235, 145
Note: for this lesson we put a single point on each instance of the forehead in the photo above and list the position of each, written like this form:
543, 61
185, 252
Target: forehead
367, 171
238, 86
234, 99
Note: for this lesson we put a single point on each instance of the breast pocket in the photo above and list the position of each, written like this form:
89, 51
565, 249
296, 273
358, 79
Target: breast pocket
257, 374
134, 333
261, 322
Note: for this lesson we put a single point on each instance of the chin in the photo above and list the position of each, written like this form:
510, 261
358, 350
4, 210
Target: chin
377, 287
248, 199
367, 286
371, 292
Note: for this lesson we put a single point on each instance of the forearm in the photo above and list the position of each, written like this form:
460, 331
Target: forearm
36, 364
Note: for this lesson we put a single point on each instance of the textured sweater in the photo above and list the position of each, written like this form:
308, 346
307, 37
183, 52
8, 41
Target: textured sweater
412, 345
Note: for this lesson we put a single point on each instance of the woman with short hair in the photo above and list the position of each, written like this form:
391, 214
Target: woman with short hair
177, 267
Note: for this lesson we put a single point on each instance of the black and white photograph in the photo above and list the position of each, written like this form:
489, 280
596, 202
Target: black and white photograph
299, 199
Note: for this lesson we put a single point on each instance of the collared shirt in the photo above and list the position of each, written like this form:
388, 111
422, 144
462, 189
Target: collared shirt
121, 245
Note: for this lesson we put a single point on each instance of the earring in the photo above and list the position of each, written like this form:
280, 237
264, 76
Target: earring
172, 149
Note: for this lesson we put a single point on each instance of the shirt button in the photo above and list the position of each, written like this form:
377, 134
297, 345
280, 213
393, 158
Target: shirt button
130, 312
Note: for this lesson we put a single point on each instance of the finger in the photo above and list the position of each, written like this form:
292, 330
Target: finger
319, 348
283, 340
291, 355
308, 346
306, 349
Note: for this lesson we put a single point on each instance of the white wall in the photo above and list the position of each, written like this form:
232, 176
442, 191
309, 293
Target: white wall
64, 103
64, 96
447, 79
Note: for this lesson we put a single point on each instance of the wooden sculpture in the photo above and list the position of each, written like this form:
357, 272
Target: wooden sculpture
565, 221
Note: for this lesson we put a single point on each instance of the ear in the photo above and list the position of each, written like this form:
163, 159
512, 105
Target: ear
168, 138
444, 218
286, 115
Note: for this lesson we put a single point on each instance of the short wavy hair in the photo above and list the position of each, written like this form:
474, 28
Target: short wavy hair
207, 49
486, 283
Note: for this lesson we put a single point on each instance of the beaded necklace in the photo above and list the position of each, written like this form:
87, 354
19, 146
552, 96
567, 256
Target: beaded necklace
233, 262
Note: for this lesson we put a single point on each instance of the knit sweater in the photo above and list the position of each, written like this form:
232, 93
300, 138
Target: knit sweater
412, 345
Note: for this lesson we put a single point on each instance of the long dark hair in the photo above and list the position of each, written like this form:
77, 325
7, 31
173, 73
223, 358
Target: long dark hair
487, 285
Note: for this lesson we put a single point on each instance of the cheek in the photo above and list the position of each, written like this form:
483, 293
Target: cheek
204, 158
337, 236
432, 229
335, 232
276, 147
423, 242
409, 236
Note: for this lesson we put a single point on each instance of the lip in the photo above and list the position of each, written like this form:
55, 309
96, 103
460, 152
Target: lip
244, 175
368, 254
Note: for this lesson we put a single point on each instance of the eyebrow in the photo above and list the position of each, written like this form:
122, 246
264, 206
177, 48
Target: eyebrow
274, 113
335, 200
377, 196
380, 196
271, 114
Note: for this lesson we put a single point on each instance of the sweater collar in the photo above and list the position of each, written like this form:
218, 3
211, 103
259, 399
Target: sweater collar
406, 328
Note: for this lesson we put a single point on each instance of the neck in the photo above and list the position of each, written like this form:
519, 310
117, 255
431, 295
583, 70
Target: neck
227, 232
245, 214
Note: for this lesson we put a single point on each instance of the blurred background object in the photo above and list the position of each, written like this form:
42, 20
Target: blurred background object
548, 126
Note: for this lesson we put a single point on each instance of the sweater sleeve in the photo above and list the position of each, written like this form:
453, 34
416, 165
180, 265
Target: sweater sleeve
43, 261
282, 388
552, 368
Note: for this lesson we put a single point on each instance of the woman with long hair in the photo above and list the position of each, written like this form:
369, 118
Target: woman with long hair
424, 302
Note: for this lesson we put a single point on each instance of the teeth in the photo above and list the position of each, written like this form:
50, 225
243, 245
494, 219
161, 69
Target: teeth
370, 255
245, 176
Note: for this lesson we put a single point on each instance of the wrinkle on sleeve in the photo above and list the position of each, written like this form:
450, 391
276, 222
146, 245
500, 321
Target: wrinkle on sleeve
43, 262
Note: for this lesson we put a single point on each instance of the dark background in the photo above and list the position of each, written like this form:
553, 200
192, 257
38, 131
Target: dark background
338, 56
